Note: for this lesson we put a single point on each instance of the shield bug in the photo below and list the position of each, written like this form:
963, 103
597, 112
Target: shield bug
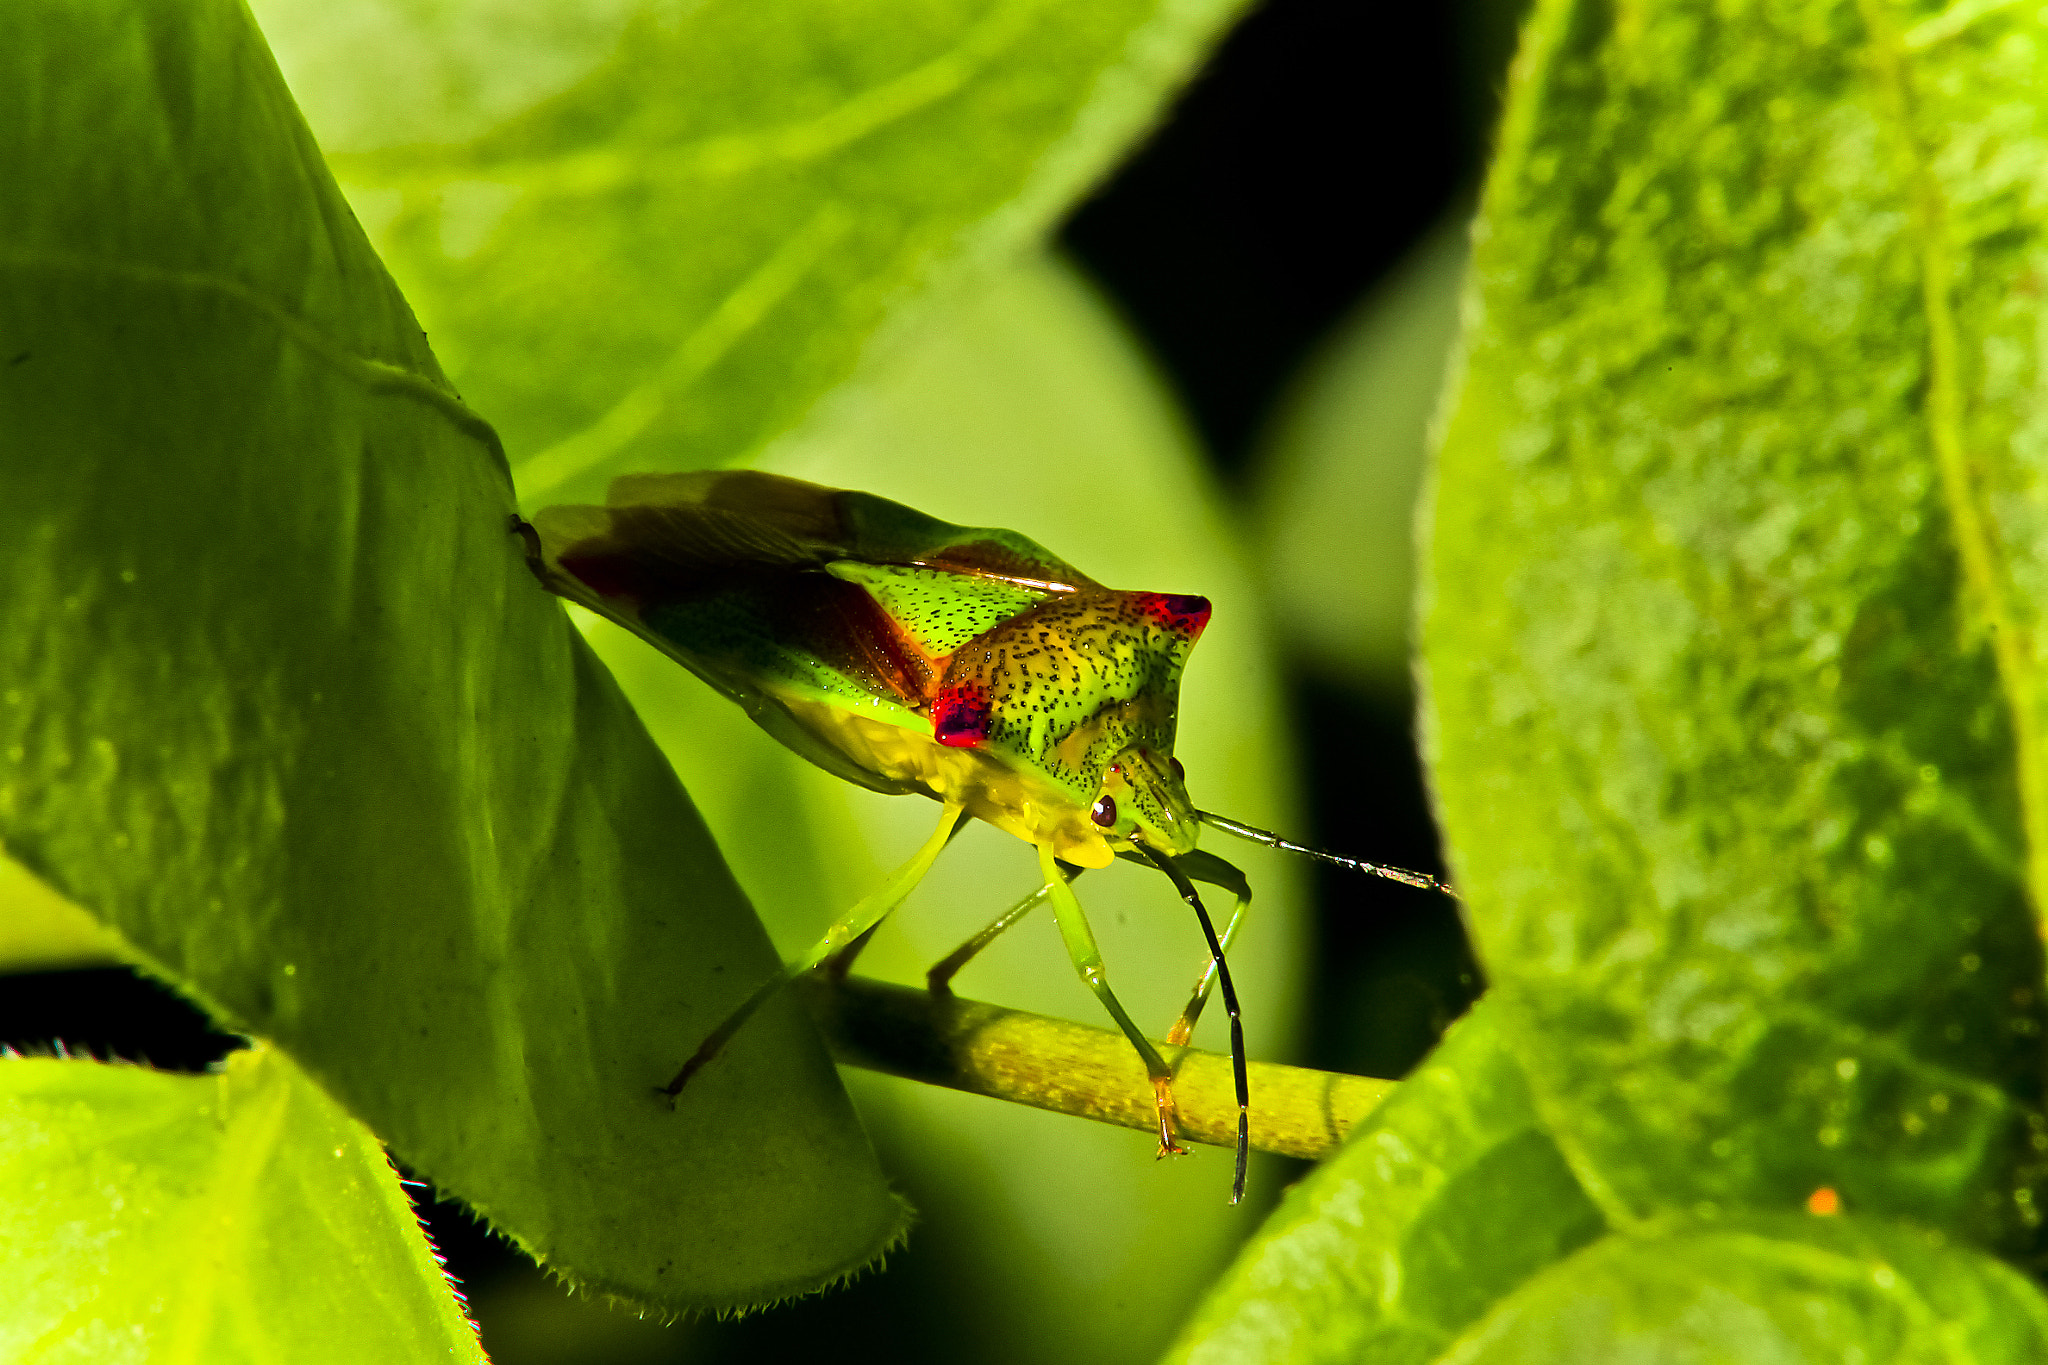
910, 655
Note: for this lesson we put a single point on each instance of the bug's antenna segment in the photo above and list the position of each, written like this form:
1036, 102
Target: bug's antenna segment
1271, 840
1187, 893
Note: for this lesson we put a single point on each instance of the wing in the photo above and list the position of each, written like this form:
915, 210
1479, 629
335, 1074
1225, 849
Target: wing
747, 517
777, 591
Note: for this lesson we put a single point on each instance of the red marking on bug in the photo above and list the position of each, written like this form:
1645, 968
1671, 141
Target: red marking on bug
1824, 1202
1180, 614
960, 717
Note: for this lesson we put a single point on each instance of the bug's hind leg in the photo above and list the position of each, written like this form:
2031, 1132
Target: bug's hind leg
939, 980
842, 958
1213, 871
848, 929
1087, 959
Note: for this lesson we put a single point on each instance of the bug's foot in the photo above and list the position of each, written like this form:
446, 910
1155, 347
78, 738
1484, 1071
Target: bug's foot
682, 1078
1162, 1093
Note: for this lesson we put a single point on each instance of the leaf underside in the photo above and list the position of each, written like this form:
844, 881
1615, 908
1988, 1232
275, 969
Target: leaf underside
285, 708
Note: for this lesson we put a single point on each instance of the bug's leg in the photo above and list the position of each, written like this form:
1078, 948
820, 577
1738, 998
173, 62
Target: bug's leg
1207, 867
1087, 958
841, 960
865, 915
939, 980
1173, 869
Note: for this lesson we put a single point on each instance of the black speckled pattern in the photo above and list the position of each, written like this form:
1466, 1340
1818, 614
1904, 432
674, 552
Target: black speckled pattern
1074, 681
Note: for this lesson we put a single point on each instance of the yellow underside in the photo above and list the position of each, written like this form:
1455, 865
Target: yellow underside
1031, 808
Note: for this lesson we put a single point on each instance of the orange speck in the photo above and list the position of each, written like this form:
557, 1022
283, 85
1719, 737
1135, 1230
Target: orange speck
1824, 1202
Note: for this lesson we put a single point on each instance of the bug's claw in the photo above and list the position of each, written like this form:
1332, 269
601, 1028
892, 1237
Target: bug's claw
1162, 1094
682, 1078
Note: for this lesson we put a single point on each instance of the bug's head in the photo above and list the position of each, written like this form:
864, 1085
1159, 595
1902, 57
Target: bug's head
1144, 798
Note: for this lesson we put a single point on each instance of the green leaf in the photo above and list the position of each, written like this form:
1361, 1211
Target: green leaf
1022, 403
40, 931
1339, 472
1779, 1288
235, 1217
651, 237
281, 703
1445, 1200
1732, 641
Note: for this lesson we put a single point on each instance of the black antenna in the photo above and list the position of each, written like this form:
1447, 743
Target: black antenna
1244, 1099
1271, 840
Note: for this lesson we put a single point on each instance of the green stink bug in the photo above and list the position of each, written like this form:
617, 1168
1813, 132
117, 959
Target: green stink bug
907, 654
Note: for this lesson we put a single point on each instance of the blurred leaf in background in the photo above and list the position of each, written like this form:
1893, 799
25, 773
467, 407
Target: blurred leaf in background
239, 1216
1334, 486
652, 236
1339, 470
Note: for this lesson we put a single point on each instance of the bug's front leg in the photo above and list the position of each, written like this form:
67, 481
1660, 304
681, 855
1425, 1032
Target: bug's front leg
1213, 871
1087, 959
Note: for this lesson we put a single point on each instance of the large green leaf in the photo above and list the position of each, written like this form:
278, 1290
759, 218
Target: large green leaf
650, 236
1733, 649
1783, 1289
279, 700
1443, 1202
1023, 404
235, 1217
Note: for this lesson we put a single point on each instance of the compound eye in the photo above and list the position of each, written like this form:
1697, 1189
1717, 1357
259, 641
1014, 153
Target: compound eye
1180, 774
1104, 813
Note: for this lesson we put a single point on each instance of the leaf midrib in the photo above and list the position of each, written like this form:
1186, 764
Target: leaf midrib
1987, 605
372, 375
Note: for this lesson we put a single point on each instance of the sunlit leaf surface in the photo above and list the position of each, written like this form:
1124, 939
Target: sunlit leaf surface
1732, 663
1777, 1288
1733, 650
154, 1219
1446, 1199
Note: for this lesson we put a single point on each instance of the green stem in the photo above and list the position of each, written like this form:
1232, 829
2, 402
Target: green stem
1072, 1068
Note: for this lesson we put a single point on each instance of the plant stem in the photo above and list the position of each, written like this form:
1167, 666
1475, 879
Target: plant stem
1072, 1068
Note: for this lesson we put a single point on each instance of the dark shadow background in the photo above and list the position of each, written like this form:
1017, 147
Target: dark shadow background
1323, 140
